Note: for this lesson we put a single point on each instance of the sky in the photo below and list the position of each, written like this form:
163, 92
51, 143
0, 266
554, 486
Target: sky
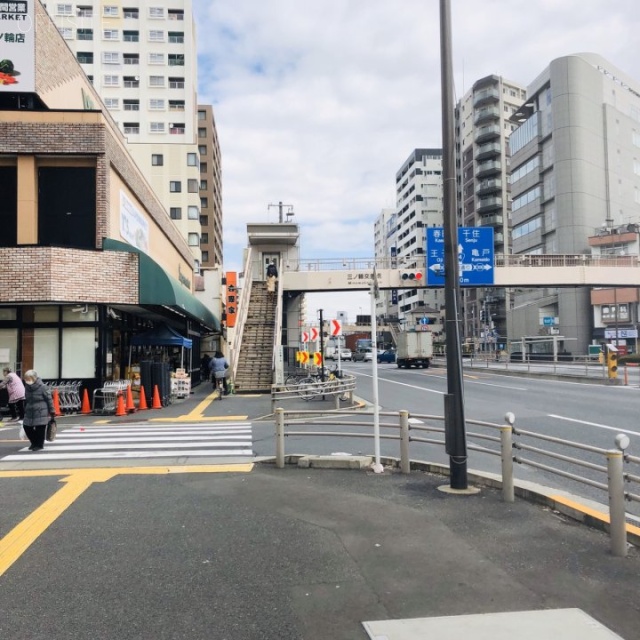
317, 105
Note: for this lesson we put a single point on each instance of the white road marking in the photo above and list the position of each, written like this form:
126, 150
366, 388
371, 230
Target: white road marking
500, 386
594, 424
45, 457
404, 384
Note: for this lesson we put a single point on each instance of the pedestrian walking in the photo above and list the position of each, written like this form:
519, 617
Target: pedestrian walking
39, 410
15, 389
219, 366
272, 277
204, 367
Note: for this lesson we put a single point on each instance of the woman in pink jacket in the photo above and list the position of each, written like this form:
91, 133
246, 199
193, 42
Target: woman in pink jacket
14, 386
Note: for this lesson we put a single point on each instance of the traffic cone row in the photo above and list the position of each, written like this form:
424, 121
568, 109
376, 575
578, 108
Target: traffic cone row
123, 406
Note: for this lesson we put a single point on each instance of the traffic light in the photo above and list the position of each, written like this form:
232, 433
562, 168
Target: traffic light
612, 363
412, 275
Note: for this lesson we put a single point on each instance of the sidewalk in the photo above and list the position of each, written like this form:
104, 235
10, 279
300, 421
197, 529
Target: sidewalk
308, 554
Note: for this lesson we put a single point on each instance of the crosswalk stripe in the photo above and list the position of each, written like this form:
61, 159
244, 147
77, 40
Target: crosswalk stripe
144, 441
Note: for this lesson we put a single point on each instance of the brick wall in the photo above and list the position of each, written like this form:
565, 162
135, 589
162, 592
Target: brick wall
53, 274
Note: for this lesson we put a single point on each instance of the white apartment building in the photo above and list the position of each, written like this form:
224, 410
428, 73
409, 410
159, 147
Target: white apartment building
384, 242
141, 57
401, 235
575, 166
483, 127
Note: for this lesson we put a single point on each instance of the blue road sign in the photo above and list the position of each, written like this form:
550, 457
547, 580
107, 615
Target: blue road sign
475, 256
424, 320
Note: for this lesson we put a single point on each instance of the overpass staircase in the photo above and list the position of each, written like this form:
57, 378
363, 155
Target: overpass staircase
254, 372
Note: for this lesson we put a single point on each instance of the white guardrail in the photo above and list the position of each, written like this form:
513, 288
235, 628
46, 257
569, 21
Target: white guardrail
607, 473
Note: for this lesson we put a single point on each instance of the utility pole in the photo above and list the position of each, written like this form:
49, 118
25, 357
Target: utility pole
281, 210
455, 436
321, 344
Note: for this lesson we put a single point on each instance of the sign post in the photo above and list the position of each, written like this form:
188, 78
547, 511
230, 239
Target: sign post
336, 332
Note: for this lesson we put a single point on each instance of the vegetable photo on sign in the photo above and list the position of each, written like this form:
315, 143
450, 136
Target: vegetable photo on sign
8, 72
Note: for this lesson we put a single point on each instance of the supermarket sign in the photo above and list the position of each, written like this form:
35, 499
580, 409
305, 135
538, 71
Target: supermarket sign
17, 46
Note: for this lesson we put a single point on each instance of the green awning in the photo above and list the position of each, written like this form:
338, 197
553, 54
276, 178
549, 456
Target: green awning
157, 287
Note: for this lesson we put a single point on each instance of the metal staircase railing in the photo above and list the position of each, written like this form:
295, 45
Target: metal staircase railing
244, 302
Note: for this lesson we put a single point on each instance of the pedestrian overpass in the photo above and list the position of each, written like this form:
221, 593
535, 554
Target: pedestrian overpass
524, 271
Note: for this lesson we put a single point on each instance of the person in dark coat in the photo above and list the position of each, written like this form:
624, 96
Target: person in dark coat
38, 410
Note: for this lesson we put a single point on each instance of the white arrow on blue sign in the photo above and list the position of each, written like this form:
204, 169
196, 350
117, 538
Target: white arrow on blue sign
475, 256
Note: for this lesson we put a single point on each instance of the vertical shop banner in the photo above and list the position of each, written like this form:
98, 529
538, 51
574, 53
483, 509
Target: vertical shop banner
231, 301
17, 46
134, 227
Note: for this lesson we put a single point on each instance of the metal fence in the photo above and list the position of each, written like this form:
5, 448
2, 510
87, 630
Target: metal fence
610, 470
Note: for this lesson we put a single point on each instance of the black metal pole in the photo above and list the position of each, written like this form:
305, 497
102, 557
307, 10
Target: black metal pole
455, 436
321, 345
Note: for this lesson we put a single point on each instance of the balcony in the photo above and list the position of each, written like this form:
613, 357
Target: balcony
486, 96
486, 113
489, 186
490, 221
488, 168
489, 150
487, 133
486, 205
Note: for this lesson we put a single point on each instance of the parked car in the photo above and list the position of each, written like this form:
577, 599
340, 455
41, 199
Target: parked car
345, 354
364, 355
387, 356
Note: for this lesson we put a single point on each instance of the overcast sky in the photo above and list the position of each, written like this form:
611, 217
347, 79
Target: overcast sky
318, 104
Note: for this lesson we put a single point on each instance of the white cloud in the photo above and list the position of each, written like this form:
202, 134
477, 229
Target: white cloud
318, 104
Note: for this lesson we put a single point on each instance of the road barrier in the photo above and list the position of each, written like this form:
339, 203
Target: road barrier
511, 444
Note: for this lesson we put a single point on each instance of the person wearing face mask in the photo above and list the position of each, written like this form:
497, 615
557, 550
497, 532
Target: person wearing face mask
15, 388
38, 409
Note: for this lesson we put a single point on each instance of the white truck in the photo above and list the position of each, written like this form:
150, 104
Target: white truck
414, 349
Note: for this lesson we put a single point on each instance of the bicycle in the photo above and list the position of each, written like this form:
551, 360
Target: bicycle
313, 384
218, 383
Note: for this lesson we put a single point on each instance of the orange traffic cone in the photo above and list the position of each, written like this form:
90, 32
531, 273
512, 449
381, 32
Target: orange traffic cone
130, 407
156, 398
142, 404
120, 410
86, 407
56, 403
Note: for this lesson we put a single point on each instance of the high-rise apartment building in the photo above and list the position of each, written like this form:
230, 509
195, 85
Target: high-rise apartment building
575, 166
483, 128
384, 242
418, 205
142, 59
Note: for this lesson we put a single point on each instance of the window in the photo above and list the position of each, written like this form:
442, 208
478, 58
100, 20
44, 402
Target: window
202, 115
156, 127
64, 10
204, 238
175, 213
156, 104
85, 57
85, 12
192, 159
193, 213
84, 34
156, 12
112, 103
526, 198
176, 105
177, 128
175, 14
205, 256
203, 185
196, 266
204, 167
66, 32
176, 59
204, 203
202, 149
110, 57
111, 81
527, 227
175, 186
193, 240
131, 13
176, 83
131, 127
90, 78
176, 37
157, 159
204, 221
110, 34
156, 58
192, 185
131, 82
202, 133
156, 36
156, 81
110, 11
130, 58
131, 36
131, 105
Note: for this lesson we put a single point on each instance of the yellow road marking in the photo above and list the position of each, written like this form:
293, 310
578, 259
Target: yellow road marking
598, 515
76, 482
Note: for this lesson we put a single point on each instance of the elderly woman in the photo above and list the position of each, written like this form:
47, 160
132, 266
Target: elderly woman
38, 410
15, 389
